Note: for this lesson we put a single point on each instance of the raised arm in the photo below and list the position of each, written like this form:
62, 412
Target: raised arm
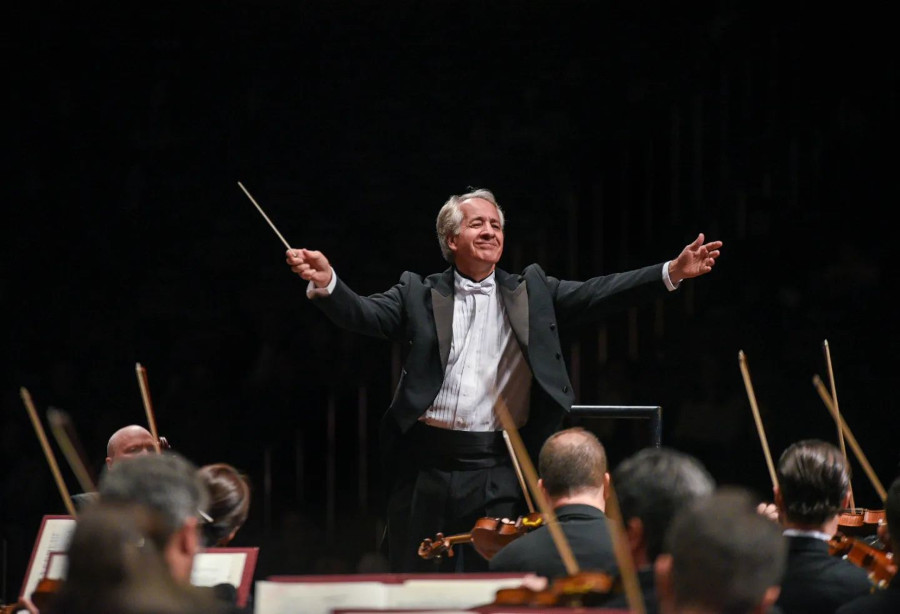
310, 265
697, 258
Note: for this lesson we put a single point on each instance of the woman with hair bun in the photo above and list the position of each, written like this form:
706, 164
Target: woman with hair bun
229, 503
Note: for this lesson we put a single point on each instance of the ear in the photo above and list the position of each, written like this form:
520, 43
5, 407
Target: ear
637, 542
845, 502
189, 537
662, 572
606, 486
768, 600
452, 241
109, 462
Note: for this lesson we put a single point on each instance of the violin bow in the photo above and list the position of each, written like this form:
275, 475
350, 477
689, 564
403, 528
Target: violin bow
515, 462
67, 440
826, 398
559, 538
51, 460
745, 371
837, 411
263, 213
148, 406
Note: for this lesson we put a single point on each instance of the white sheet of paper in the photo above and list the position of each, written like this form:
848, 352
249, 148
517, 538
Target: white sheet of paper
317, 597
55, 538
211, 568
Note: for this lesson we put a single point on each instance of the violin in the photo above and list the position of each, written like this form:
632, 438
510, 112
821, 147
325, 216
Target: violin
582, 589
880, 564
40, 597
859, 521
487, 536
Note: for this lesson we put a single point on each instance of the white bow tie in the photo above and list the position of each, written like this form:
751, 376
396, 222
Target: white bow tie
486, 286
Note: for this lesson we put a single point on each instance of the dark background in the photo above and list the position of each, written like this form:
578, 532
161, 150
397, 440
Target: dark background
611, 133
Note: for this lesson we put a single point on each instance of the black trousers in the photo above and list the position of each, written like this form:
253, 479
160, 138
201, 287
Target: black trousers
453, 478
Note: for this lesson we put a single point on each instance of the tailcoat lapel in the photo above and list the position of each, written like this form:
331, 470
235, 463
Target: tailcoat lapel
514, 293
442, 308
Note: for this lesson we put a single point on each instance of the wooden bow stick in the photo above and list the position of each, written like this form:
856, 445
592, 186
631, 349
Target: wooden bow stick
837, 411
51, 460
67, 440
266, 217
515, 461
745, 371
826, 398
148, 407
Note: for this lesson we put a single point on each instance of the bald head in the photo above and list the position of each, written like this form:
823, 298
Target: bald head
571, 461
129, 441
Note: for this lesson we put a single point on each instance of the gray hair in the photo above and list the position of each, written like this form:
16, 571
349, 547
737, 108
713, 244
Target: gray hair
450, 217
166, 483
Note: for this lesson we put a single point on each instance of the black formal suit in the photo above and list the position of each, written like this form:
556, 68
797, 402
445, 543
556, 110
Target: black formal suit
816, 582
882, 601
587, 532
418, 313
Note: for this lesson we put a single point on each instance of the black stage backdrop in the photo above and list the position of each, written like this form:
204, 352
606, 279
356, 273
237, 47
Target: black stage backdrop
611, 132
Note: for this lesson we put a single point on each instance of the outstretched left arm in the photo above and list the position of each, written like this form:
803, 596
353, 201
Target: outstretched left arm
697, 258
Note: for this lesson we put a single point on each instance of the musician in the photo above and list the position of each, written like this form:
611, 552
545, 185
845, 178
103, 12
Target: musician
472, 333
116, 563
885, 601
127, 442
574, 479
813, 487
720, 556
169, 485
229, 502
653, 485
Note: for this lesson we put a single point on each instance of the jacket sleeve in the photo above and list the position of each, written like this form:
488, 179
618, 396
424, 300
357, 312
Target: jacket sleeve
379, 315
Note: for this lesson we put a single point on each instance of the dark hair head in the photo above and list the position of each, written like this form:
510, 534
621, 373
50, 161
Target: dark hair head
814, 480
229, 501
653, 484
572, 460
725, 555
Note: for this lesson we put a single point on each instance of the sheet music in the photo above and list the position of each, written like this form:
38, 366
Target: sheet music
312, 596
211, 568
53, 537
317, 598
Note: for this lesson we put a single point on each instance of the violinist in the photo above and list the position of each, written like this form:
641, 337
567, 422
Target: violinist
127, 442
720, 556
117, 562
813, 486
885, 601
573, 476
653, 485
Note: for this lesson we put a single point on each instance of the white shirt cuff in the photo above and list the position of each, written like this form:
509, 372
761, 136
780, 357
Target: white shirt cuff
667, 280
313, 292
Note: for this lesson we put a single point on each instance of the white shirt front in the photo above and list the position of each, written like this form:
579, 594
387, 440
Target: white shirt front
485, 361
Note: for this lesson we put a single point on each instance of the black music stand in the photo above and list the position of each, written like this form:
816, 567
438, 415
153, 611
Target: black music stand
618, 446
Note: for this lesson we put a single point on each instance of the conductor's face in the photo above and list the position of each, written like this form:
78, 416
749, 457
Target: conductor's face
478, 246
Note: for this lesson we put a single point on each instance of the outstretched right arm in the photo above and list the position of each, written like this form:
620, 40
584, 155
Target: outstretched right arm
311, 265
378, 315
